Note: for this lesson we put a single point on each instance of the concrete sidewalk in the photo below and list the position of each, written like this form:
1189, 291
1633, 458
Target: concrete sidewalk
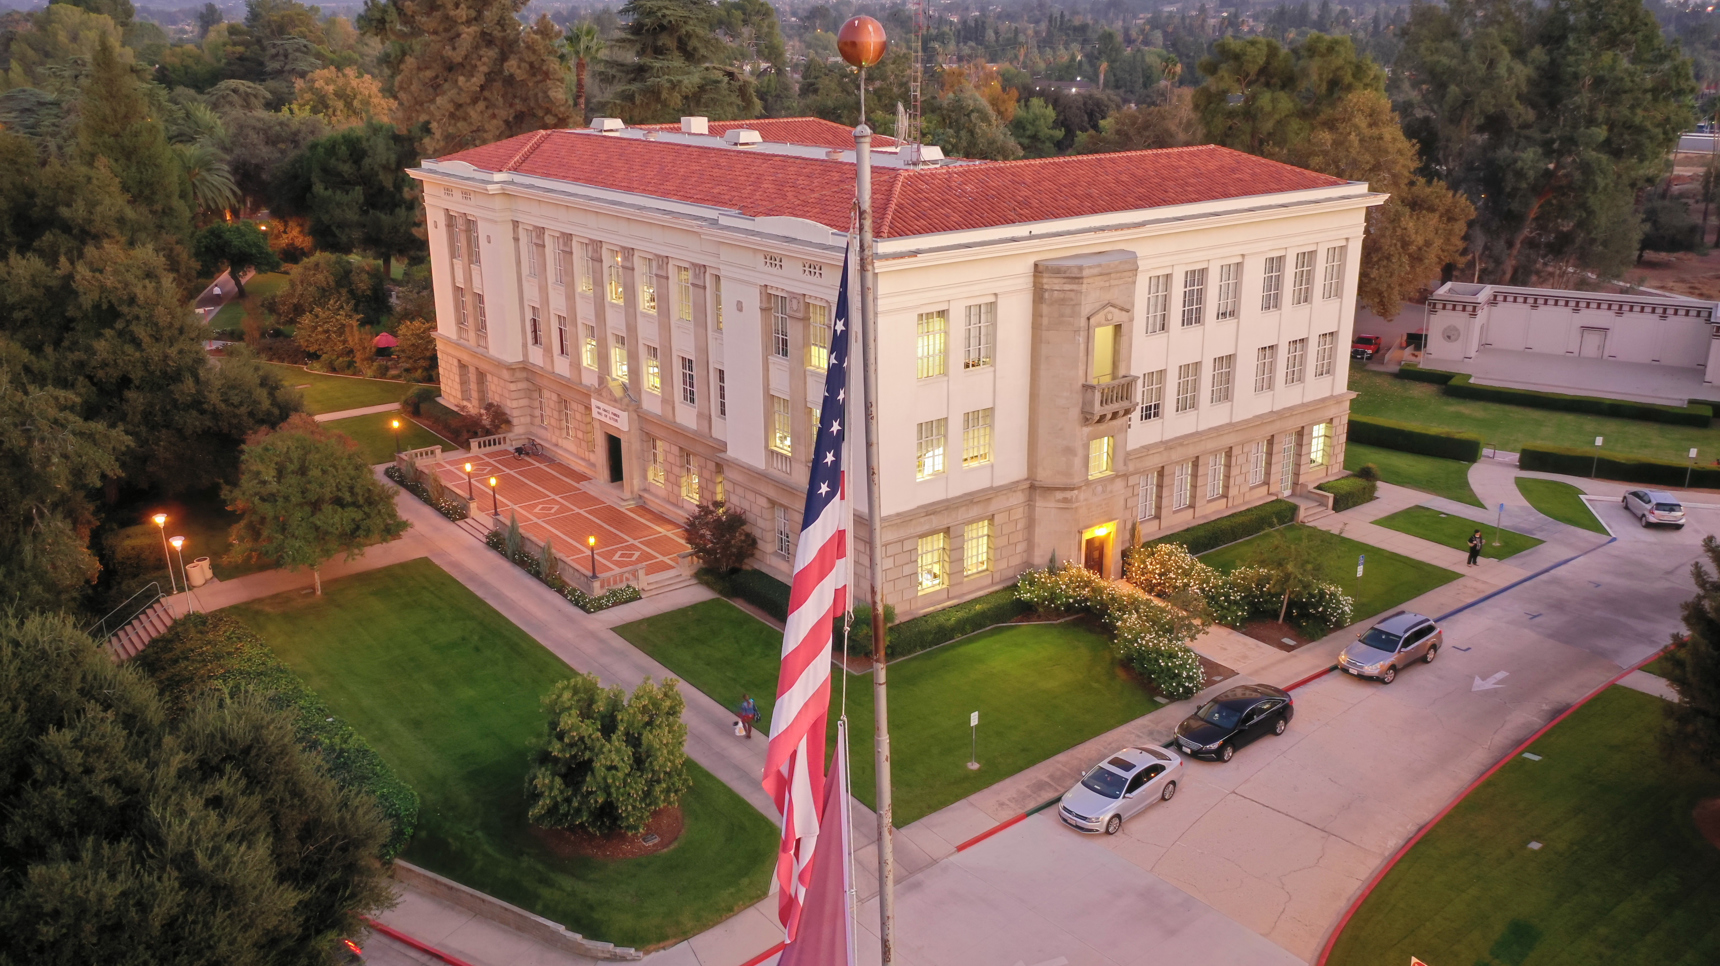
360, 411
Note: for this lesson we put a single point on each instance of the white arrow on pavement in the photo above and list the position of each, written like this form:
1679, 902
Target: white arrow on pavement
1490, 683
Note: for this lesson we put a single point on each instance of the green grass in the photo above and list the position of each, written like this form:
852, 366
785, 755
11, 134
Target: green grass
447, 690
1622, 877
1430, 474
1454, 531
376, 439
1561, 501
261, 286
1388, 580
1039, 688
1511, 427
330, 394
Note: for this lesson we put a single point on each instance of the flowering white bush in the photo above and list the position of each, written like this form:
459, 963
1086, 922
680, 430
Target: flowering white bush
1166, 569
1175, 670
1066, 590
1326, 606
1147, 635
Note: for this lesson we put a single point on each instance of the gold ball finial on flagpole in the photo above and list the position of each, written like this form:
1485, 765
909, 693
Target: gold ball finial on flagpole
861, 42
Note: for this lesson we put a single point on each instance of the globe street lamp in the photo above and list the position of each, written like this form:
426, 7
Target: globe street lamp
495, 509
178, 548
591, 542
396, 424
469, 496
161, 524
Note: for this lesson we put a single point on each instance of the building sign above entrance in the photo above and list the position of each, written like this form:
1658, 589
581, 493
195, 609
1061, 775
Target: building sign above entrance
609, 414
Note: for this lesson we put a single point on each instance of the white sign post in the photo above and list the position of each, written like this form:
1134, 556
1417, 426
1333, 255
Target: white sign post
1688, 469
973, 753
1597, 466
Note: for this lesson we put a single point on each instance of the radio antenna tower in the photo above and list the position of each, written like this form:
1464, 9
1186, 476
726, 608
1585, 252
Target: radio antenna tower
912, 134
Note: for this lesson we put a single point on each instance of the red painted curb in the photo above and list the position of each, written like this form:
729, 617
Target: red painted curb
1312, 677
988, 833
421, 946
761, 957
1332, 940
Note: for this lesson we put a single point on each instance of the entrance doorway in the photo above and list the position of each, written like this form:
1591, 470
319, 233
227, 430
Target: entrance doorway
1594, 344
614, 457
1096, 549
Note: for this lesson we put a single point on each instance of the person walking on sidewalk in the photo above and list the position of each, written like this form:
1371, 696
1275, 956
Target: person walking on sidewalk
749, 714
1476, 542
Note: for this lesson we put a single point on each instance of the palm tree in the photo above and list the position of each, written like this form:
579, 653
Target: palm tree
583, 45
212, 186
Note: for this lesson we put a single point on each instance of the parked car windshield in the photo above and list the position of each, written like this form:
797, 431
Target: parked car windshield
1668, 508
1224, 716
1105, 781
1381, 640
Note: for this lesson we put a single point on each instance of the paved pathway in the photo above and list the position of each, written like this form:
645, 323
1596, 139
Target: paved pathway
360, 411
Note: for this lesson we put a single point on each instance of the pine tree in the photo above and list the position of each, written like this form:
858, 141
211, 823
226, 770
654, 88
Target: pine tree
1693, 668
117, 128
670, 62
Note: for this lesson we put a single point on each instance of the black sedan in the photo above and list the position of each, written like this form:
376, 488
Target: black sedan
1234, 719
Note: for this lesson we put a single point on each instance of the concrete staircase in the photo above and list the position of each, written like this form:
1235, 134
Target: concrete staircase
1308, 508
130, 640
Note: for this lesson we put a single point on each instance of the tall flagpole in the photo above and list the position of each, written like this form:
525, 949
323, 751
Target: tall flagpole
861, 43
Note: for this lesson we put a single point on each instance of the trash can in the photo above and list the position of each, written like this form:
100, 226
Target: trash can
198, 572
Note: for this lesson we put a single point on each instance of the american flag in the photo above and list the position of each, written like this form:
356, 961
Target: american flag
794, 763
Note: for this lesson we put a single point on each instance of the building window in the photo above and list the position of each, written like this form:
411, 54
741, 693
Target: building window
460, 309
683, 293
1295, 362
1158, 303
721, 487
1153, 395
1320, 447
1265, 367
588, 350
930, 330
1325, 353
472, 238
812, 424
1332, 285
781, 427
1188, 386
583, 268
1229, 291
1099, 456
561, 334
1222, 370
1182, 481
654, 469
773, 262
1257, 462
454, 235
1286, 463
976, 437
1194, 297
722, 396
536, 328
1148, 500
483, 320
976, 548
689, 382
779, 326
1217, 474
542, 413
613, 287
618, 357
689, 478
483, 388
561, 259
653, 371
818, 345
465, 382
1302, 283
979, 335
934, 560
929, 448
1272, 284
784, 536
531, 253
646, 272
564, 416
717, 291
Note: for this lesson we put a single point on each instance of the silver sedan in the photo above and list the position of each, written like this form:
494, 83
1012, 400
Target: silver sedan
1120, 787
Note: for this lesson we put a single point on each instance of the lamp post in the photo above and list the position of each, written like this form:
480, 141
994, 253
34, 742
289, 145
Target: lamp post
396, 425
178, 548
469, 496
591, 542
161, 524
495, 508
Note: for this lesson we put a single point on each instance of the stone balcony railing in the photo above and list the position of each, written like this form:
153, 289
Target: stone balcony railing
1102, 402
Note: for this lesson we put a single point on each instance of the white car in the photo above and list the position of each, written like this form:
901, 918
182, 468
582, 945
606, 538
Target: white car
1655, 506
1120, 787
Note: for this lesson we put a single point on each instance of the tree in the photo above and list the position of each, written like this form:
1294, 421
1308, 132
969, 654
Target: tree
207, 18
235, 246
138, 835
1293, 570
1693, 668
305, 495
1668, 227
584, 46
608, 762
211, 181
1170, 124
61, 36
341, 96
965, 126
118, 128
510, 76
354, 189
718, 536
327, 280
669, 62
417, 349
1034, 127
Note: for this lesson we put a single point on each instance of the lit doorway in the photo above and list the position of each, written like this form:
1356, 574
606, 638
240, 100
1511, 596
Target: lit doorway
1096, 546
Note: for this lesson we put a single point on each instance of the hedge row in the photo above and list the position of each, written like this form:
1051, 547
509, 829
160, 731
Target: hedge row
448, 506
497, 540
1236, 526
938, 627
753, 586
1459, 385
1349, 491
1413, 438
1576, 461
218, 650
1415, 373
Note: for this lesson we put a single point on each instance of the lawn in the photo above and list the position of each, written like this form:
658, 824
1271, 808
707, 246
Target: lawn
1622, 875
1388, 580
261, 286
1454, 531
326, 393
1039, 690
1561, 501
376, 439
1510, 427
1430, 474
448, 691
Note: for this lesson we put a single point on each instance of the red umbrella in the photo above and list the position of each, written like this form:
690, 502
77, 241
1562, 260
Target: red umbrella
386, 341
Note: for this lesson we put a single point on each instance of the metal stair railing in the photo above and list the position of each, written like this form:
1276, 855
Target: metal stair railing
110, 625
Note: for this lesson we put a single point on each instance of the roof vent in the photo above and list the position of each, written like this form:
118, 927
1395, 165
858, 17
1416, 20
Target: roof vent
742, 137
920, 154
606, 125
695, 125
834, 154
650, 135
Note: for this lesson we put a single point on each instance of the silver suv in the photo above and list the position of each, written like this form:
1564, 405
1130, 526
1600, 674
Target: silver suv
1393, 643
1655, 506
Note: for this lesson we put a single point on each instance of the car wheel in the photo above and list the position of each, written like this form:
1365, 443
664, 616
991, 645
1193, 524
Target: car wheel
1279, 726
1226, 753
1431, 653
1389, 676
1644, 519
1112, 824
1169, 792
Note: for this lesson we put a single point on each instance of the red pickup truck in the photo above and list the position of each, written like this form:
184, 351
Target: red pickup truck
1365, 347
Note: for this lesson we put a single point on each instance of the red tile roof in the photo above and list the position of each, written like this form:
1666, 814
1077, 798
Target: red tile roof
809, 131
908, 202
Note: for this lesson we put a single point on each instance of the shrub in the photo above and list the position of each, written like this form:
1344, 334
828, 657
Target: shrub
1175, 671
377, 370
1349, 491
218, 650
1694, 413
413, 402
719, 538
1369, 471
940, 626
451, 508
760, 590
1166, 570
1414, 438
1232, 527
1148, 636
860, 634
607, 762
1574, 461
283, 349
534, 564
1059, 591
1324, 608
1415, 373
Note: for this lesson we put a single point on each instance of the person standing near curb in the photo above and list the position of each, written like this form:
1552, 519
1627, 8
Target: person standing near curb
1476, 542
749, 714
